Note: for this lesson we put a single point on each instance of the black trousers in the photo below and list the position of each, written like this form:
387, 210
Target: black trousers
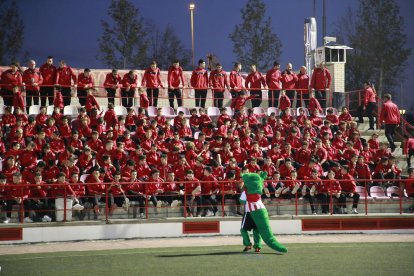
82, 96
7, 97
175, 93
31, 96
302, 96
342, 200
410, 154
66, 94
273, 96
389, 133
256, 101
153, 96
46, 93
369, 112
291, 95
200, 97
190, 204
320, 95
311, 200
127, 97
218, 97
324, 200
111, 95
26, 207
209, 201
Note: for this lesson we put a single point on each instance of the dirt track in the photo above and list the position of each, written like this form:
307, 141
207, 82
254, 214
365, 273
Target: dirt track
195, 241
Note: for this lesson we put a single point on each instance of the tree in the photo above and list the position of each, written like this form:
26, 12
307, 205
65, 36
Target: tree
380, 54
254, 40
124, 41
11, 34
166, 46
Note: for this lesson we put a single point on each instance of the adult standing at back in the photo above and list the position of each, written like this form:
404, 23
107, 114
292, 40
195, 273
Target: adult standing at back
10, 79
390, 115
112, 82
302, 87
152, 81
273, 77
175, 80
320, 83
236, 82
199, 81
129, 86
289, 80
64, 78
368, 105
85, 82
48, 71
254, 81
32, 79
218, 81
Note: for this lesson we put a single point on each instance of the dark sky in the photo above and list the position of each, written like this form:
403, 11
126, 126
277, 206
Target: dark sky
68, 29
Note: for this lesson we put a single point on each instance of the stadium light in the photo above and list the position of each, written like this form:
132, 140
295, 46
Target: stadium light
192, 7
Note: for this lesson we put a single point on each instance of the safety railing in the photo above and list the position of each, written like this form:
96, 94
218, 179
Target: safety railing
376, 196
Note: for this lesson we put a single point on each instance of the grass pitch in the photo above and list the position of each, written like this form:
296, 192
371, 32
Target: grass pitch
302, 259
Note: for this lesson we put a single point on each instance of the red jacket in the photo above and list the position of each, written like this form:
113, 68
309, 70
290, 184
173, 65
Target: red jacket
239, 102
151, 78
255, 80
289, 80
128, 81
65, 75
110, 118
48, 73
91, 103
273, 78
175, 77
390, 114
30, 74
409, 145
302, 85
218, 80
236, 81
284, 102
321, 79
18, 100
314, 104
143, 101
85, 80
199, 78
348, 184
369, 96
58, 100
111, 81
10, 79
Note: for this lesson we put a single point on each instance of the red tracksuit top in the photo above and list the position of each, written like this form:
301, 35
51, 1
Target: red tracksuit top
321, 79
218, 80
303, 83
65, 75
199, 78
369, 96
175, 77
48, 73
10, 79
32, 74
127, 80
273, 77
236, 81
255, 80
111, 81
289, 80
390, 114
151, 78
84, 80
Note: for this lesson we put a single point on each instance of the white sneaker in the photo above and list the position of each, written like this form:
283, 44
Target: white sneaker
77, 207
46, 218
142, 215
295, 189
314, 213
304, 188
344, 211
7, 220
159, 204
312, 190
354, 211
209, 213
28, 220
174, 204
277, 192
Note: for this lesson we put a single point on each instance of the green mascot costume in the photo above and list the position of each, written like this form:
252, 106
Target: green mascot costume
256, 217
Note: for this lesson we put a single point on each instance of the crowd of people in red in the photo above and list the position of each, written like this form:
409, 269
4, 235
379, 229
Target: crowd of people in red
189, 160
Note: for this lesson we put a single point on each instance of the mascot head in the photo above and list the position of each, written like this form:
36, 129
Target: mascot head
254, 182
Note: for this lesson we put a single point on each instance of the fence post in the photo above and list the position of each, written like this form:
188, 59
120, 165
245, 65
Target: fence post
146, 200
106, 203
64, 204
185, 200
222, 198
400, 195
296, 204
366, 198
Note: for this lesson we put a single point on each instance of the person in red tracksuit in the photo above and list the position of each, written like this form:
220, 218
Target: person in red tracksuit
284, 101
18, 193
302, 87
408, 149
289, 80
390, 115
64, 77
33, 79
368, 105
219, 82
236, 82
348, 187
90, 101
129, 85
48, 71
321, 82
199, 81
273, 77
112, 82
175, 80
10, 78
152, 81
85, 82
255, 81
96, 189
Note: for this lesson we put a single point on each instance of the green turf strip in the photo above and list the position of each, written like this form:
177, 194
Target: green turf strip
302, 259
